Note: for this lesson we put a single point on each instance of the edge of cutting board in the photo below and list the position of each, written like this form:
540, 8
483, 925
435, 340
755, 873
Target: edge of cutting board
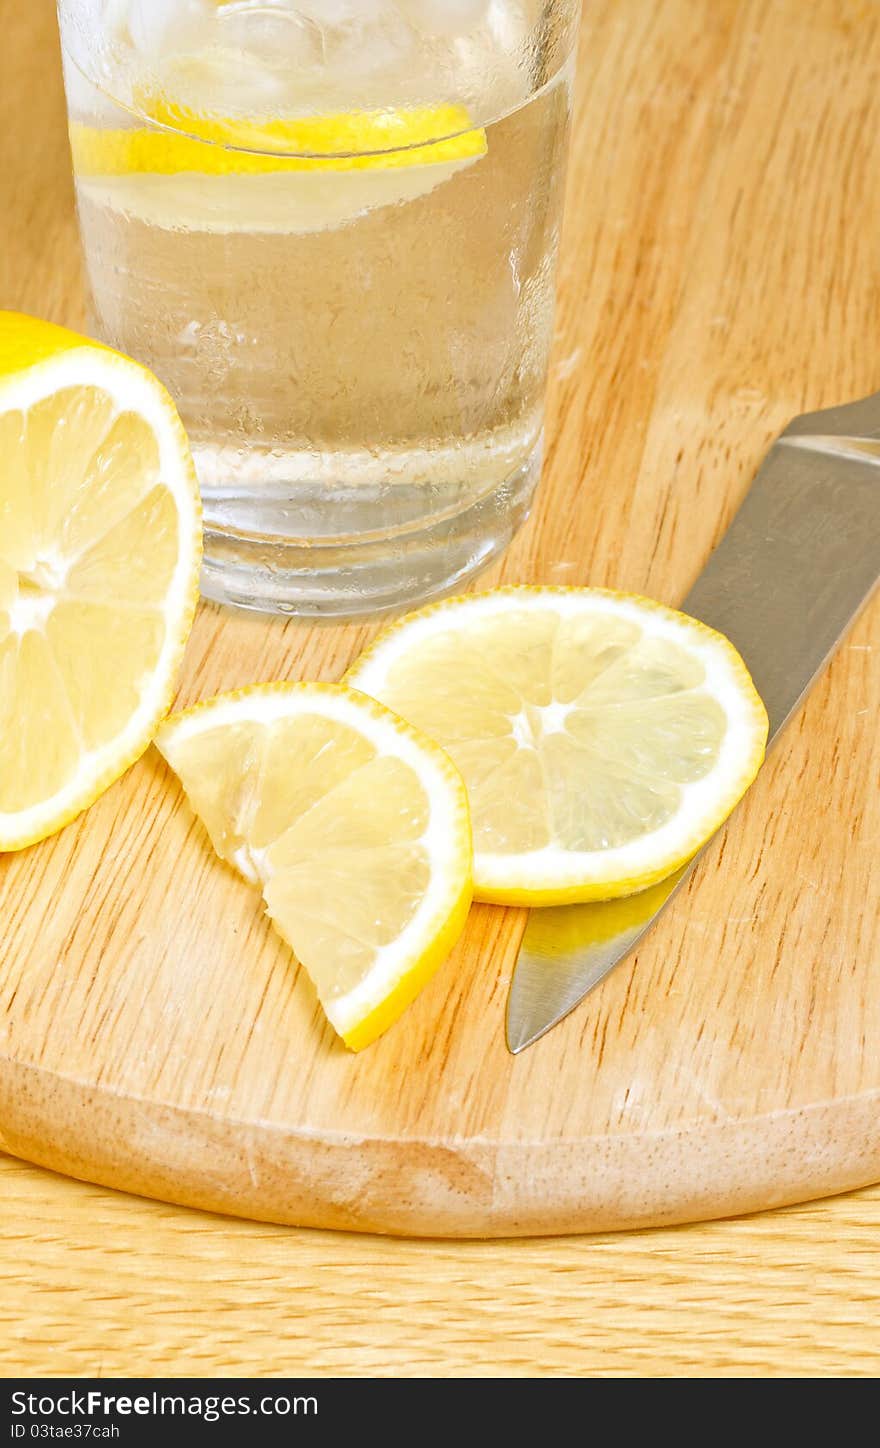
468, 1188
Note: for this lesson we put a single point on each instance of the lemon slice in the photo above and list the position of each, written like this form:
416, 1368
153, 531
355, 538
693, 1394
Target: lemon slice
602, 737
221, 174
393, 139
355, 827
100, 544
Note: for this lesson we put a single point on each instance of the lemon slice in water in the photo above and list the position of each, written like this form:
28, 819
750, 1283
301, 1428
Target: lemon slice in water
200, 172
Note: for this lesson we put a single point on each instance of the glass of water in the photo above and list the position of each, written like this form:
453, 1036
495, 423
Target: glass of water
330, 227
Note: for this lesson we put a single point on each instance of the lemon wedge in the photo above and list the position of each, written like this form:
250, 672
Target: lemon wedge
354, 826
100, 544
602, 737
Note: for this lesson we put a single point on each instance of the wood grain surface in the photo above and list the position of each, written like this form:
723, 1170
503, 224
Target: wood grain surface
94, 1282
719, 275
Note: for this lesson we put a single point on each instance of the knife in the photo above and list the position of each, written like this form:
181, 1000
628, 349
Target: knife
798, 562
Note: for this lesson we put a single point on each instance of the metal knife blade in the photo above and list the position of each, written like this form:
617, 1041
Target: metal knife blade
797, 564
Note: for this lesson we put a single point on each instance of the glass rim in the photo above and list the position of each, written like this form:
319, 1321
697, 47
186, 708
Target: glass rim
439, 138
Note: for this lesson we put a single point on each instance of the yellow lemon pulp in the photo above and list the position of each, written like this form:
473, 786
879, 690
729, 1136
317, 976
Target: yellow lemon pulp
100, 544
602, 737
355, 828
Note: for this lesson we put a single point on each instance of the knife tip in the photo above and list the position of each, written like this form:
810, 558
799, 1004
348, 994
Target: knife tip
518, 1036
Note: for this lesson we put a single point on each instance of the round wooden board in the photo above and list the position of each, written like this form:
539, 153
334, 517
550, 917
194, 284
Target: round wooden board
719, 275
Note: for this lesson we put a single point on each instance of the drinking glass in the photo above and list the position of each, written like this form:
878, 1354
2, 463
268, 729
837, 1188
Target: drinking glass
330, 227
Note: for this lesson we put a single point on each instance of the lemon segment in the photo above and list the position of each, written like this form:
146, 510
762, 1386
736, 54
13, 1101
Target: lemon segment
100, 545
602, 737
355, 828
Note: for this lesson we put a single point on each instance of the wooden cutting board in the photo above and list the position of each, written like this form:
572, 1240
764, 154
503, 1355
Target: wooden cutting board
719, 275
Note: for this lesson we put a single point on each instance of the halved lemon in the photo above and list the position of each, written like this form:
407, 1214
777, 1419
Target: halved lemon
100, 545
355, 827
602, 737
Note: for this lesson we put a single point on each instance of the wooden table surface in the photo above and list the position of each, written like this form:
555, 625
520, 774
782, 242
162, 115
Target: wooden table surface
96, 1282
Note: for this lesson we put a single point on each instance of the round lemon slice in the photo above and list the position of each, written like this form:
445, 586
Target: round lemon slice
602, 737
293, 175
355, 827
100, 545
